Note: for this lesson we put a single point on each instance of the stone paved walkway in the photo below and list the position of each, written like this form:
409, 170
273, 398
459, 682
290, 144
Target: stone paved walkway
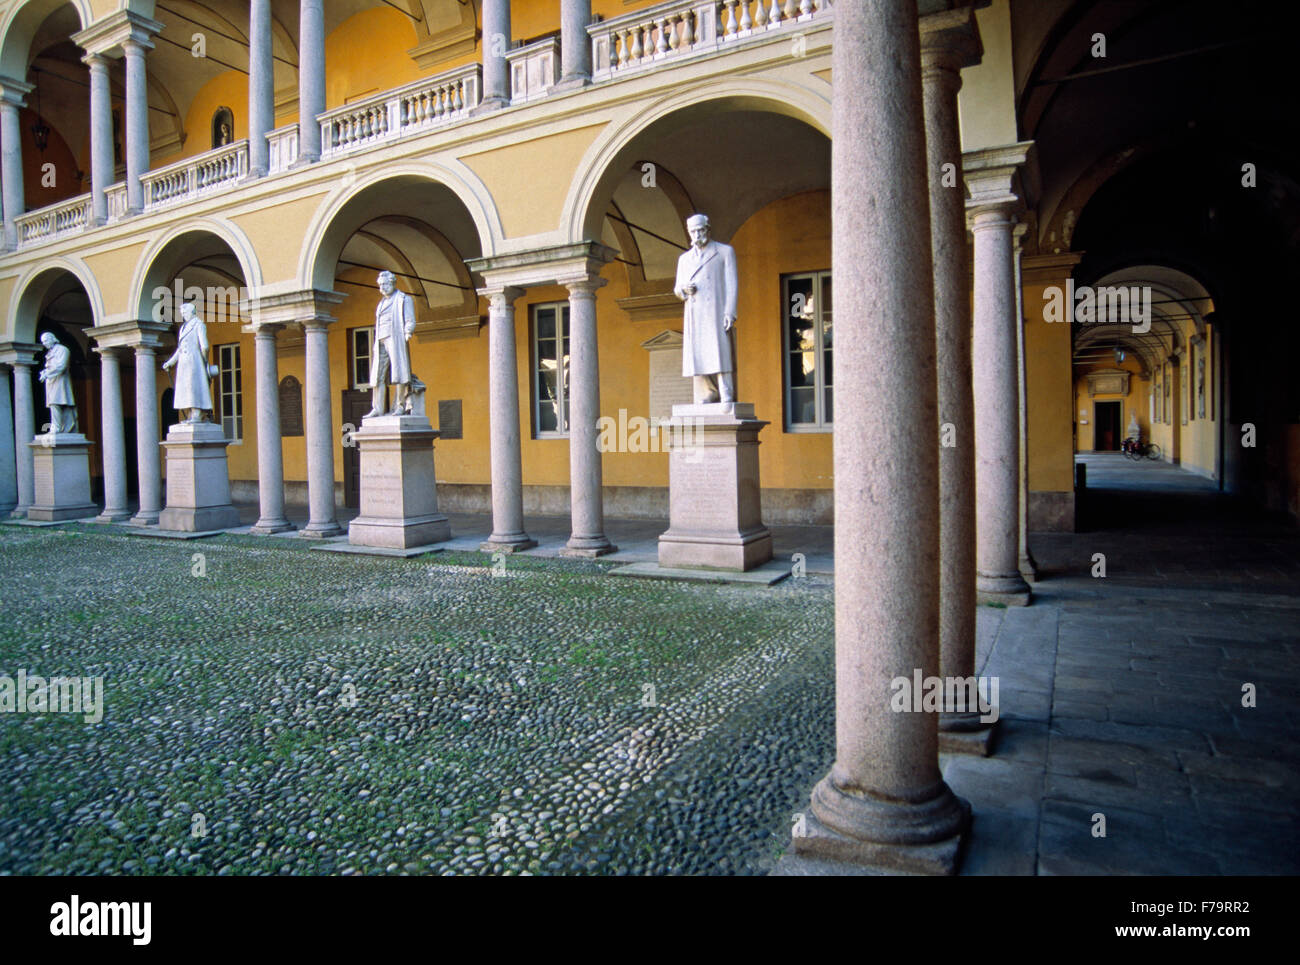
500, 724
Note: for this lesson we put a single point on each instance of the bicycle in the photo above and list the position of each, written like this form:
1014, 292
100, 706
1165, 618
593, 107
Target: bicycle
1137, 449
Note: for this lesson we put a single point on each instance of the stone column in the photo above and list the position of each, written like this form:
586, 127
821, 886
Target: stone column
884, 802
311, 78
270, 459
137, 121
261, 87
146, 437
113, 444
503, 414
8, 465
949, 42
319, 427
496, 42
575, 44
101, 136
992, 208
11, 157
1028, 568
24, 432
585, 498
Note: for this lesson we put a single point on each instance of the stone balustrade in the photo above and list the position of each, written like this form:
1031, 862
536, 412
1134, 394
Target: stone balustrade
283, 144
417, 107
680, 28
534, 69
54, 221
194, 177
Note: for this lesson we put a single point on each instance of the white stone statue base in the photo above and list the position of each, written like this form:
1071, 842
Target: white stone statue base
198, 482
715, 519
62, 477
399, 499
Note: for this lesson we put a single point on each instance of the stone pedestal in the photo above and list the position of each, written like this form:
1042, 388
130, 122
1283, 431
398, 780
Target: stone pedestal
399, 500
61, 477
715, 519
198, 483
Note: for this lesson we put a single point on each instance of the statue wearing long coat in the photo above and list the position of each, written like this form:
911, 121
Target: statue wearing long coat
706, 345
58, 385
394, 322
191, 359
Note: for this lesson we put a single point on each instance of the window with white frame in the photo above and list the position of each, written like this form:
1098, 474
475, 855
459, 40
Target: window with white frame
806, 298
361, 346
230, 392
551, 370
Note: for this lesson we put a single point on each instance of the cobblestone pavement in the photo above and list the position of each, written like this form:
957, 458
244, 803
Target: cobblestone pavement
303, 712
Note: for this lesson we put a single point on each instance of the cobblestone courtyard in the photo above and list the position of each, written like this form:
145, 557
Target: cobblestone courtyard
327, 713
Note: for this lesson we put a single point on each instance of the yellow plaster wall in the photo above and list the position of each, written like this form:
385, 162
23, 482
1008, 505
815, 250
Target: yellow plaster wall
277, 233
986, 103
1049, 395
532, 204
367, 54
225, 90
114, 271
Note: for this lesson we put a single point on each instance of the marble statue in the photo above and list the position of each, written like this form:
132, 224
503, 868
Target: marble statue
58, 386
192, 392
394, 326
706, 281
1134, 430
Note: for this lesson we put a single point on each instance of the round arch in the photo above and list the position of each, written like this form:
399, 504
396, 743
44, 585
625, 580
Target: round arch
19, 26
151, 267
33, 288
600, 167
326, 235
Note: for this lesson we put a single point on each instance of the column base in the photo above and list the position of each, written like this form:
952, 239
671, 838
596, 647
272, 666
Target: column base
1007, 589
965, 733
511, 543
327, 530
146, 518
266, 527
588, 547
940, 857
576, 82
488, 105
113, 516
1028, 568
19, 512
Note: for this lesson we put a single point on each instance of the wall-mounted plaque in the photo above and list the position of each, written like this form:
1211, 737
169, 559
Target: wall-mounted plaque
290, 406
668, 387
450, 425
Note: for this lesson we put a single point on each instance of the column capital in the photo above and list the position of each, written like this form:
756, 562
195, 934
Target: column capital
96, 60
14, 92
109, 34
130, 334
995, 174
499, 295
542, 266
950, 40
18, 353
583, 285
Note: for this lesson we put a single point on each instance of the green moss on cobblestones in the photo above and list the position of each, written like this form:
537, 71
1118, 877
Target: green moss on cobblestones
318, 713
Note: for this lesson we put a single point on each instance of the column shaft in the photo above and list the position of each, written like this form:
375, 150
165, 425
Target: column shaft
113, 444
137, 124
147, 450
24, 432
503, 403
942, 56
8, 463
884, 790
261, 87
585, 498
311, 78
575, 45
997, 421
101, 137
496, 41
319, 428
270, 460
11, 169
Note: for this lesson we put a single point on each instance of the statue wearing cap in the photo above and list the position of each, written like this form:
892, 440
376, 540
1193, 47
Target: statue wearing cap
706, 282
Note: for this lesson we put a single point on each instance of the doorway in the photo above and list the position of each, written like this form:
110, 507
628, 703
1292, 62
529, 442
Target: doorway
1106, 426
356, 403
